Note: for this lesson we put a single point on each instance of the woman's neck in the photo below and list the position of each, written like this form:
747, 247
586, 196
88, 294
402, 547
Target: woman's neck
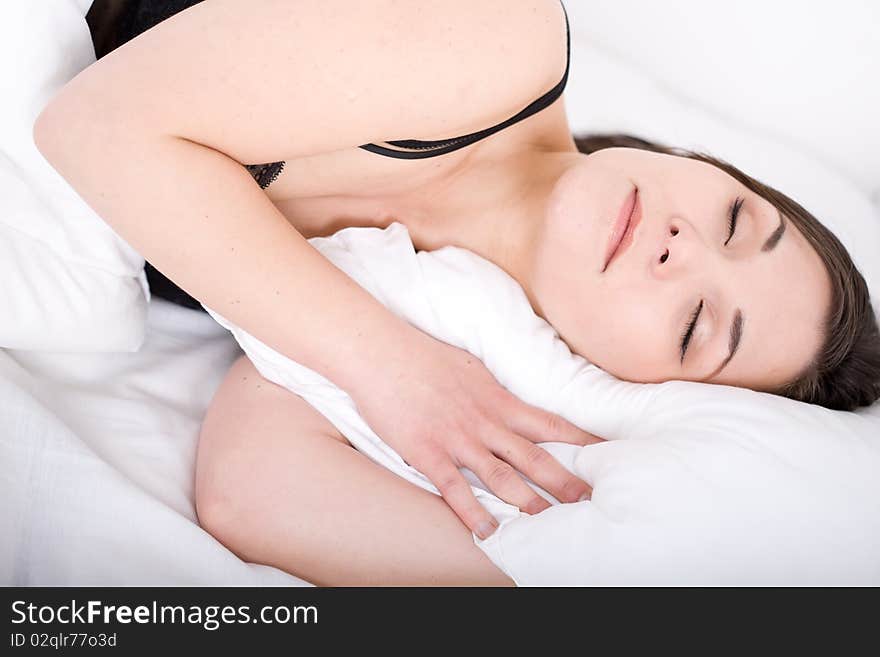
495, 208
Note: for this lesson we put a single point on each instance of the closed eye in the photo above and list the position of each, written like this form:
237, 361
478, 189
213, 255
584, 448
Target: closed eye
734, 215
689, 330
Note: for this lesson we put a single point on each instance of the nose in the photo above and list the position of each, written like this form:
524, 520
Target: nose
678, 252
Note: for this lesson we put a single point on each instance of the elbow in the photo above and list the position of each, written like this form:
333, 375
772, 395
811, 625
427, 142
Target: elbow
67, 127
72, 144
40, 132
48, 130
78, 131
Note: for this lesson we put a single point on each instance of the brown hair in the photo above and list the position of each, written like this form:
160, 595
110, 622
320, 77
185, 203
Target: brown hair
845, 373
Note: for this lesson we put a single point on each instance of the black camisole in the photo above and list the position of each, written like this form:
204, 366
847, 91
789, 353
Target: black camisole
113, 24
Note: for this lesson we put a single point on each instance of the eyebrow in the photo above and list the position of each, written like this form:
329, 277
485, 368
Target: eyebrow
736, 331
776, 235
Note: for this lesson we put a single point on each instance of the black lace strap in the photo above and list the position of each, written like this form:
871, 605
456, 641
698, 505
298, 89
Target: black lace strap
265, 174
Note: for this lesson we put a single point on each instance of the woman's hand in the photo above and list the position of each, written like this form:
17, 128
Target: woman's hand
441, 409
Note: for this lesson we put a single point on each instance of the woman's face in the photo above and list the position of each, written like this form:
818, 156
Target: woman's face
760, 293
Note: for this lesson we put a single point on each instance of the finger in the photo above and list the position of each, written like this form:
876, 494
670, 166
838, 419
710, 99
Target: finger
541, 467
455, 489
541, 426
504, 481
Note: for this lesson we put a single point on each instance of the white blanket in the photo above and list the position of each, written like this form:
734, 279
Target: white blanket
98, 455
700, 484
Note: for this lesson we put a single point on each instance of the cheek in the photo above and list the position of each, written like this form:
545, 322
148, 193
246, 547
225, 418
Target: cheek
621, 335
616, 330
561, 286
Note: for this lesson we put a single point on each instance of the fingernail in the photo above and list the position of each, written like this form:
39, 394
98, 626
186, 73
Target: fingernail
584, 497
486, 529
536, 506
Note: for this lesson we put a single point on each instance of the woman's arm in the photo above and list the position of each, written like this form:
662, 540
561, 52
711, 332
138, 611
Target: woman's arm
152, 137
280, 79
277, 484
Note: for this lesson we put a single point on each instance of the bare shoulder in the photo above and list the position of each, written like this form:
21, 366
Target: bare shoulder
522, 54
279, 79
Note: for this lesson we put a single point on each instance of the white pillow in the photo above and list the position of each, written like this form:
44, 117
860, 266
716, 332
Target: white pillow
700, 484
711, 484
69, 282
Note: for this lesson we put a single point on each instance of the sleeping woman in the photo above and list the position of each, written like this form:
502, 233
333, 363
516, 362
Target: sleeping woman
219, 140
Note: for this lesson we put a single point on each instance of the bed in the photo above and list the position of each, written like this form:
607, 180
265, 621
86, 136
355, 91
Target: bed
101, 397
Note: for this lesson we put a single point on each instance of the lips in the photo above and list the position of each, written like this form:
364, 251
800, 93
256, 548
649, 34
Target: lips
622, 231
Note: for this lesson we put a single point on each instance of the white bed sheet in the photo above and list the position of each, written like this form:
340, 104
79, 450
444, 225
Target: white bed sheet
98, 454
